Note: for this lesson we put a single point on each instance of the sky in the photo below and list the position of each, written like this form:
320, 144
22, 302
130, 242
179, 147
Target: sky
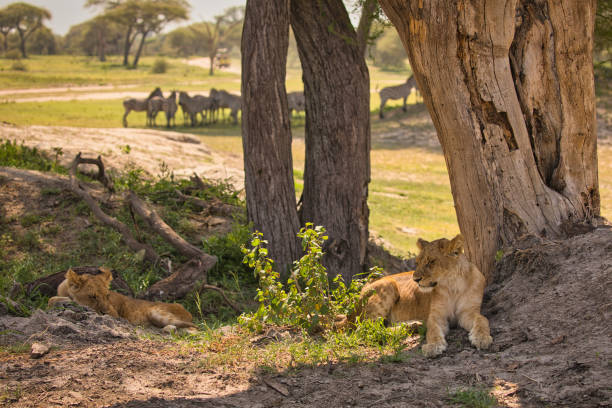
67, 13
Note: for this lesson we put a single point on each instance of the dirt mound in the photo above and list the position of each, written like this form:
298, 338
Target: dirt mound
69, 325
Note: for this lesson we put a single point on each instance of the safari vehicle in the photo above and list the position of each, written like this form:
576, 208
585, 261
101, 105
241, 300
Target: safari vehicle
223, 60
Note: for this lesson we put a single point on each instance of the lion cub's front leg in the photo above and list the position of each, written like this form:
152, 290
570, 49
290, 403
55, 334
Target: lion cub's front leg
478, 327
437, 327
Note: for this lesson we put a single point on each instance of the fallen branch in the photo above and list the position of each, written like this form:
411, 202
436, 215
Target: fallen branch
102, 176
159, 226
229, 302
149, 253
216, 207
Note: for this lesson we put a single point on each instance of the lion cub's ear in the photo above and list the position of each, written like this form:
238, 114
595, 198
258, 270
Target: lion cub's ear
74, 278
107, 275
455, 246
421, 243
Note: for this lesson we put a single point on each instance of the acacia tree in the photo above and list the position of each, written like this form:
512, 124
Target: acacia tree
266, 134
509, 86
153, 15
6, 26
25, 19
337, 165
212, 35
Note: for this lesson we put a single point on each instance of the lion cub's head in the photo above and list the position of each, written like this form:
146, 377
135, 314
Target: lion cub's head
91, 290
437, 261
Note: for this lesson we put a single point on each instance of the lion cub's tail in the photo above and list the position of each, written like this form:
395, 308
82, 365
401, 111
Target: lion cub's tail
161, 317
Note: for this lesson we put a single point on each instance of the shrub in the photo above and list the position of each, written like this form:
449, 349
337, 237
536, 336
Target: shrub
18, 66
160, 66
21, 156
12, 54
309, 302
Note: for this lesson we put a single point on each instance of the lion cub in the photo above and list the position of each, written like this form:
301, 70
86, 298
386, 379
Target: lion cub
92, 291
445, 287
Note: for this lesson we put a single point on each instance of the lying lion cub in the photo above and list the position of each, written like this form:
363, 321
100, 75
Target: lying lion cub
92, 291
445, 287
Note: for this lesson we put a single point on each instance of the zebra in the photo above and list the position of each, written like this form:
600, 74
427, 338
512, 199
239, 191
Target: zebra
191, 106
139, 105
157, 104
296, 102
224, 99
397, 92
154, 105
169, 107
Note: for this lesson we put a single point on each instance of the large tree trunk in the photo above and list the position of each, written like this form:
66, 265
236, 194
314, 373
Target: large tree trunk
22, 44
266, 133
509, 85
211, 70
337, 169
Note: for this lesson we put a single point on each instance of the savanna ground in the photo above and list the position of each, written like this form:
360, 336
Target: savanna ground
549, 306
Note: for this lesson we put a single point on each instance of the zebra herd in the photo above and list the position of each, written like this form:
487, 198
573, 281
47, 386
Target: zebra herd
208, 107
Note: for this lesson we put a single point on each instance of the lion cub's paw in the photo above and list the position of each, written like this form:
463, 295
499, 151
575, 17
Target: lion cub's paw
169, 329
433, 349
480, 341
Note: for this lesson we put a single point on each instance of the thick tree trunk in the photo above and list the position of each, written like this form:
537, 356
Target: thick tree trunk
266, 133
22, 44
101, 46
337, 169
509, 85
140, 47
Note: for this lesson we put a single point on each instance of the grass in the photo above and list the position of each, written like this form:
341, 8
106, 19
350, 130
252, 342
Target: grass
472, 398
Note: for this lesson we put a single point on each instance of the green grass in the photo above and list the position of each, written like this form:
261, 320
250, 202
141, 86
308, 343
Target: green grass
473, 398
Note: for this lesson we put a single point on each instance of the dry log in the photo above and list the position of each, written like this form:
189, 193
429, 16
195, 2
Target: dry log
102, 176
181, 282
128, 238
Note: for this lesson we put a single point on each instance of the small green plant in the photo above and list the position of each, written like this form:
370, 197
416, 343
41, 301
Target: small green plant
473, 398
21, 156
125, 149
310, 302
160, 66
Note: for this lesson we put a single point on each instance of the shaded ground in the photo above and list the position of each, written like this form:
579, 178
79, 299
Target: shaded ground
550, 320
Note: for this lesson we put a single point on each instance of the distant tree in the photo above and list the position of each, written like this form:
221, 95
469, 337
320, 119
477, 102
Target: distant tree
213, 35
184, 41
603, 27
6, 26
154, 15
101, 30
42, 42
389, 51
25, 19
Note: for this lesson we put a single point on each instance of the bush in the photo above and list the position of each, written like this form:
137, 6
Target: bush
12, 54
309, 302
390, 52
18, 66
21, 156
160, 66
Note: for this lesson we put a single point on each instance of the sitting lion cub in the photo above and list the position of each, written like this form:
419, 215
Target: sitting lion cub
92, 291
445, 287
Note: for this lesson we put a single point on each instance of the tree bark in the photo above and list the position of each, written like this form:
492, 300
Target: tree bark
127, 45
211, 70
22, 44
337, 95
365, 23
266, 133
518, 128
140, 47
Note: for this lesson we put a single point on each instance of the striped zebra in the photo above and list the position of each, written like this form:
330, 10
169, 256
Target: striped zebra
139, 105
296, 102
396, 92
224, 99
191, 106
167, 105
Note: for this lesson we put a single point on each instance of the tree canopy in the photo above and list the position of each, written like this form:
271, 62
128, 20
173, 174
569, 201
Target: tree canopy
23, 18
